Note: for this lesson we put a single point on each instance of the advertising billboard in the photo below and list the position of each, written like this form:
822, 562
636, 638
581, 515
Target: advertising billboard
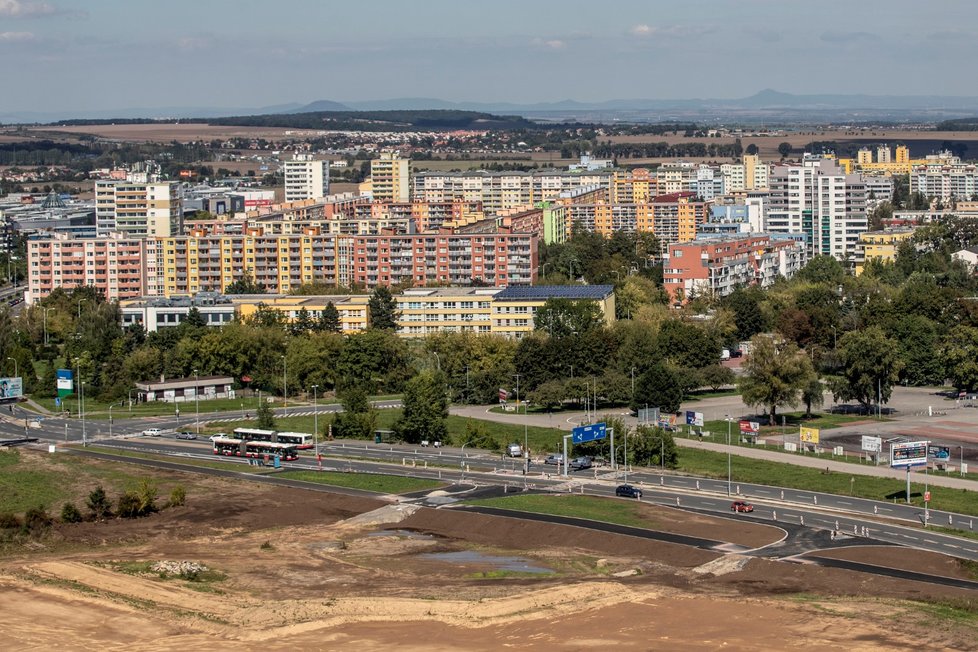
749, 427
872, 444
11, 387
809, 435
939, 452
694, 419
911, 453
66, 384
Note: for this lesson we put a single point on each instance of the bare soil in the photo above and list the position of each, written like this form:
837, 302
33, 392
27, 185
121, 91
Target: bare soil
298, 574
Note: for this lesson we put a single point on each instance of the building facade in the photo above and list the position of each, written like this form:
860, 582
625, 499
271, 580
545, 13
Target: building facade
390, 178
305, 178
113, 264
137, 209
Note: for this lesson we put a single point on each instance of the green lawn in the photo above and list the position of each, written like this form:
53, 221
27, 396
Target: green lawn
714, 465
386, 484
592, 508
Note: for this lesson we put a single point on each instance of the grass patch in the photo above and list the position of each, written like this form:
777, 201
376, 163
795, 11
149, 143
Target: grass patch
507, 575
387, 484
592, 508
713, 464
23, 487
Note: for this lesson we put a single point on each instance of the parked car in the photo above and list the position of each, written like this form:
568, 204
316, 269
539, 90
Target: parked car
186, 434
741, 506
514, 450
554, 458
579, 463
219, 435
152, 432
628, 491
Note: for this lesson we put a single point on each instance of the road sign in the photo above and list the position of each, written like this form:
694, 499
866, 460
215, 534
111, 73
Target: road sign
911, 453
926, 496
694, 419
592, 432
809, 435
872, 444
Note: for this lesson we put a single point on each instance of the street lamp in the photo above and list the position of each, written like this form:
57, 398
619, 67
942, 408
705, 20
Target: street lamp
79, 307
16, 373
633, 383
111, 405
197, 400
315, 420
729, 476
285, 382
82, 410
46, 324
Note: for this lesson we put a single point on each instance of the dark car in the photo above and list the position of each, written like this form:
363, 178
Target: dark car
628, 491
579, 463
186, 434
741, 506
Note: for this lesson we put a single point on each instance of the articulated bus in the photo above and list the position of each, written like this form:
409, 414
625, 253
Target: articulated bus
300, 440
254, 434
255, 449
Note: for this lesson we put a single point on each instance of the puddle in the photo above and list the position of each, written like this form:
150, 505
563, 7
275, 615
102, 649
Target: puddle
497, 562
406, 534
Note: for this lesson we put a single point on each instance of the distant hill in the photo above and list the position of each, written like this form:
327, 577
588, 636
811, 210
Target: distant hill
405, 120
312, 107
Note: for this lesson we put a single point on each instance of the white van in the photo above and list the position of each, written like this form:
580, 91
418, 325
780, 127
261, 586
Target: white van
514, 450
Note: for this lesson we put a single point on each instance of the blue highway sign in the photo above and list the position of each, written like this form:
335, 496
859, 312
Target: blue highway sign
581, 434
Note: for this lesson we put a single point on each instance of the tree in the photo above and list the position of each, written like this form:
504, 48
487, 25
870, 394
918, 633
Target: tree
823, 269
658, 387
245, 285
425, 409
194, 319
653, 446
717, 376
775, 372
960, 354
784, 149
358, 420
70, 513
870, 366
383, 309
751, 149
812, 394
265, 416
563, 317
748, 316
302, 324
549, 395
329, 319
99, 504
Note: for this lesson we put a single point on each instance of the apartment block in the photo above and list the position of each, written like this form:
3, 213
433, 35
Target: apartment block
514, 308
879, 245
945, 180
818, 201
156, 313
389, 178
137, 208
305, 178
425, 311
113, 264
719, 266
352, 308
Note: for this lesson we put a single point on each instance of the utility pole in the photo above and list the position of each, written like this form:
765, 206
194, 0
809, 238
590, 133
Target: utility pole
285, 383
315, 420
197, 400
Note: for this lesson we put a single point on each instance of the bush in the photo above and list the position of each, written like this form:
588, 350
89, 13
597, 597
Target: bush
147, 498
178, 497
70, 513
99, 504
9, 521
37, 519
128, 505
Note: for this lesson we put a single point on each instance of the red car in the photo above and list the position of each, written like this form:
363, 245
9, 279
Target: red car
741, 506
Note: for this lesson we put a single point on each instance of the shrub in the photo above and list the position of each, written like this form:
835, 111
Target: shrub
99, 504
267, 546
36, 519
70, 513
178, 497
128, 505
9, 521
147, 498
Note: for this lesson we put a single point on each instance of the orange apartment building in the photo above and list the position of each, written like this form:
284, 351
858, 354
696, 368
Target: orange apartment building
113, 264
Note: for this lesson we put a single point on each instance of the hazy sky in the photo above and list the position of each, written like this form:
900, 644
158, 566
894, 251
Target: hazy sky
100, 54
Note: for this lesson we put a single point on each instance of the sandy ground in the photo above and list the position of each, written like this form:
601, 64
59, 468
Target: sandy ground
312, 570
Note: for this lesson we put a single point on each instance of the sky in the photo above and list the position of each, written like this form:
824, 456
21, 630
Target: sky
114, 54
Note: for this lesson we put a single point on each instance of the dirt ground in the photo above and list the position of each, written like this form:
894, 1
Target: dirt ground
313, 570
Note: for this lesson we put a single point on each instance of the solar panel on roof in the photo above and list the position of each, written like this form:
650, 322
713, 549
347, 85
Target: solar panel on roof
555, 292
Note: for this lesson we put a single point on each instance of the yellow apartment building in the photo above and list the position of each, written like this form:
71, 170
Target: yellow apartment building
426, 311
514, 308
351, 308
390, 178
879, 245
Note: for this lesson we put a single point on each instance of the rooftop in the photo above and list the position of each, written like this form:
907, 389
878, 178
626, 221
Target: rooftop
537, 292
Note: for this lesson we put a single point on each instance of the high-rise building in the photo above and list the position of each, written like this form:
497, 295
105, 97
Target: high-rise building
883, 154
819, 201
137, 208
305, 178
113, 264
389, 178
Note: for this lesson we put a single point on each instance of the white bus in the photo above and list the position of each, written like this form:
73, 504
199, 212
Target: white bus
254, 434
301, 440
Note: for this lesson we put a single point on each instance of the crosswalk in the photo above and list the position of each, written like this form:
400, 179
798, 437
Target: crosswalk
290, 413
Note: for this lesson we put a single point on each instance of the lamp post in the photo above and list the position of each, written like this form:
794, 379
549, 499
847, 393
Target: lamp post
729, 475
633, 383
315, 420
46, 325
285, 383
197, 400
16, 371
79, 307
82, 410
112, 405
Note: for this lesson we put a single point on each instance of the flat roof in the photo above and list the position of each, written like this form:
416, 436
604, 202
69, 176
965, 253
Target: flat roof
538, 292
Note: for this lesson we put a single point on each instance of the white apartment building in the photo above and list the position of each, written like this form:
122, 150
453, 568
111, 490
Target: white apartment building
817, 200
945, 180
305, 178
137, 208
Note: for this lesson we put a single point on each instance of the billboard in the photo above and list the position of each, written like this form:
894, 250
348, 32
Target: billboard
694, 419
667, 421
872, 444
66, 384
911, 453
809, 435
11, 387
749, 427
939, 452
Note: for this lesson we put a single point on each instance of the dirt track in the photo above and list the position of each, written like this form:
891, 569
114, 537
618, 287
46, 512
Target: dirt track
300, 575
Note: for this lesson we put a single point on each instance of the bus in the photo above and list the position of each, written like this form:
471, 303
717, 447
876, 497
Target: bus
254, 434
229, 447
269, 449
301, 440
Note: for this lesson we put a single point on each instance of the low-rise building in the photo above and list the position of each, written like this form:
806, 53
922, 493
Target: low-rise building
154, 313
514, 308
879, 245
182, 390
424, 311
351, 308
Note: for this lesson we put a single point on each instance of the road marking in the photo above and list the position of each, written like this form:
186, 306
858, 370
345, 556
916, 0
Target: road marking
844, 502
930, 541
